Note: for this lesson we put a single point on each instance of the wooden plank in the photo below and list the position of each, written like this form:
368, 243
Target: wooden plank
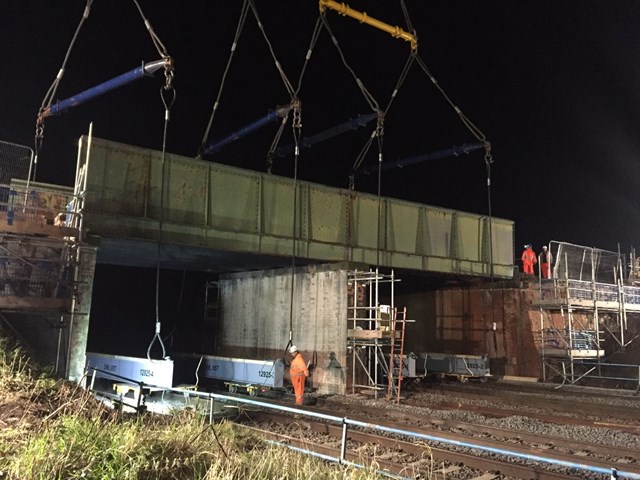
11, 302
23, 225
366, 334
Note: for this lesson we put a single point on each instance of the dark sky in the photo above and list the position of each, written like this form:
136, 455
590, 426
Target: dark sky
555, 86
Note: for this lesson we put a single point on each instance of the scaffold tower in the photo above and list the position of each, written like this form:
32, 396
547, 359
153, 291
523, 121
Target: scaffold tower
371, 327
585, 314
40, 261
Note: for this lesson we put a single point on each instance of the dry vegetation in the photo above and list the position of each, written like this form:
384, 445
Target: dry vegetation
55, 430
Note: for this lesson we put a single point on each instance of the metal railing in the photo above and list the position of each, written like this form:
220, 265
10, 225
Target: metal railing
34, 265
346, 422
37, 205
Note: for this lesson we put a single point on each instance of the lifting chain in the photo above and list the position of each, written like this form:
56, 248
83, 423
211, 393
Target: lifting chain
168, 73
296, 105
488, 158
167, 92
380, 125
39, 132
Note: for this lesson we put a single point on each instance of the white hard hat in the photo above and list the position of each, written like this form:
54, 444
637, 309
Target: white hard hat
544, 247
293, 349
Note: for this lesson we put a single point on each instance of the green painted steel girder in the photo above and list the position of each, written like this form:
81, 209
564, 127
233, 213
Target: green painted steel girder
227, 208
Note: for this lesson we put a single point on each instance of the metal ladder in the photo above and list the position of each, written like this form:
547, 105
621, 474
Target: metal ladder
397, 351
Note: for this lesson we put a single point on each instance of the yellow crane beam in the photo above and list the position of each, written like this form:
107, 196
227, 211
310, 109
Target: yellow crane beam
362, 17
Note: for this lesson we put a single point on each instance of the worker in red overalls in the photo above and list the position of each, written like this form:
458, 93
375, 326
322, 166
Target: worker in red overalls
545, 262
528, 260
298, 371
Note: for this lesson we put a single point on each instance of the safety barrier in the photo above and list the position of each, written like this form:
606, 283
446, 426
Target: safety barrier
346, 422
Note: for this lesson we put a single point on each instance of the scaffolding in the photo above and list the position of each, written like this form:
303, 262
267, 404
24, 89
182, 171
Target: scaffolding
585, 309
38, 257
396, 354
371, 328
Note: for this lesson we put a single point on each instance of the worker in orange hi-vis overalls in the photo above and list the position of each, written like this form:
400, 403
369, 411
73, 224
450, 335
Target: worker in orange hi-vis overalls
298, 371
528, 260
546, 259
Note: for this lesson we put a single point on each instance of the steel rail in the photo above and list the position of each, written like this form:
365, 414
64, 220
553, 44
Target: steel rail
429, 437
412, 434
557, 442
484, 464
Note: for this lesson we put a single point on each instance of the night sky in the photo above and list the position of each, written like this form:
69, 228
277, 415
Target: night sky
555, 86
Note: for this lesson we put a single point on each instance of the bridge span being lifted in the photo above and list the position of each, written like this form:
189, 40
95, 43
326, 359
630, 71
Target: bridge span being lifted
142, 208
219, 218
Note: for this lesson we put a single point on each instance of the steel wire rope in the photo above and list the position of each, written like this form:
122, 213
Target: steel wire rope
359, 159
399, 82
285, 80
480, 136
154, 38
379, 134
274, 145
296, 126
363, 153
234, 46
317, 30
51, 92
168, 103
168, 97
283, 75
275, 142
48, 99
488, 159
297, 135
373, 104
407, 19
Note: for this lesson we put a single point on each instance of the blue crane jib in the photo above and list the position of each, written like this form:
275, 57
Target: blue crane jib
349, 125
426, 157
146, 69
272, 116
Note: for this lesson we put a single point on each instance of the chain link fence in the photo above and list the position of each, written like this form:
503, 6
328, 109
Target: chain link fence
576, 262
590, 274
16, 161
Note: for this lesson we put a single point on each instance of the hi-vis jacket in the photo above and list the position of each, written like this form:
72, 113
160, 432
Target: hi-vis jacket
529, 257
298, 366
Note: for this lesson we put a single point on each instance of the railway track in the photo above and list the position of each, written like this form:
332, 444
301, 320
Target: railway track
416, 442
400, 414
624, 408
543, 442
423, 459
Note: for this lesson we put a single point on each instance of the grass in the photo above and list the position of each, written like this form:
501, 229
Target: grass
55, 430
